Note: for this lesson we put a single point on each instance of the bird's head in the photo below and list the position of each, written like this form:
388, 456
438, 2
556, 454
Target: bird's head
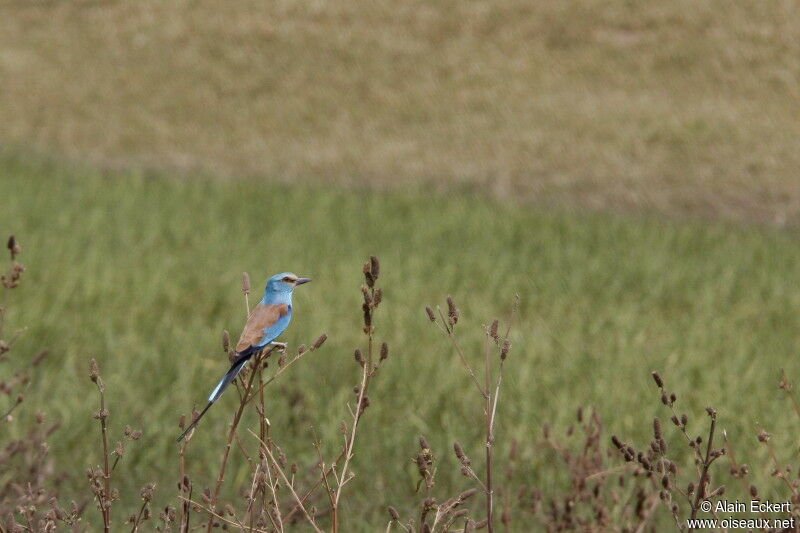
284, 283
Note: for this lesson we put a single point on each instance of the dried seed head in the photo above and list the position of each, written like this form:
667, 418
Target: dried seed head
384, 351
617, 443
753, 491
452, 311
459, 514
226, 341
429, 311
423, 444
460, 454
375, 267
94, 371
368, 274
182, 422
364, 404
14, 247
657, 428
763, 436
711, 412
245, 283
365, 294
358, 357
505, 349
147, 491
378, 298
320, 341
367, 316
657, 379
119, 449
302, 348
133, 434
467, 494
393, 513
684, 420
469, 527
40, 357
493, 329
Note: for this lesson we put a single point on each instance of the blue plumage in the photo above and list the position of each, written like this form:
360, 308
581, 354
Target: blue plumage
267, 321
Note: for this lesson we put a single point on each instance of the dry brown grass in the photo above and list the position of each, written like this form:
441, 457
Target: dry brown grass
681, 107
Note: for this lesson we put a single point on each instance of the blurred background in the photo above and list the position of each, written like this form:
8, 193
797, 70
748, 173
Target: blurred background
630, 169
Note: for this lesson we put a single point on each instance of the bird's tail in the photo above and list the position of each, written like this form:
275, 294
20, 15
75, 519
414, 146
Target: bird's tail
194, 423
226, 380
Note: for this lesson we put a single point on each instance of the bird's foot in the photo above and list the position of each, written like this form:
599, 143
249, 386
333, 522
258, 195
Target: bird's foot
279, 345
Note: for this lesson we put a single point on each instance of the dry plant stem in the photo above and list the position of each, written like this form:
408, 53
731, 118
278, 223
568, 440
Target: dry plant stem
138, 519
323, 473
489, 441
185, 508
703, 483
105, 504
779, 468
368, 368
232, 433
350, 443
328, 472
279, 525
252, 495
789, 389
278, 469
449, 332
220, 517
648, 514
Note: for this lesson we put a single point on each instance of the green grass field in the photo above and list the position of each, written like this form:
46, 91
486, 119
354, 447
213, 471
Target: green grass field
142, 272
630, 169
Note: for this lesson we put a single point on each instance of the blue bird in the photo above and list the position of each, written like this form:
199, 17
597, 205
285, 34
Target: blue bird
266, 322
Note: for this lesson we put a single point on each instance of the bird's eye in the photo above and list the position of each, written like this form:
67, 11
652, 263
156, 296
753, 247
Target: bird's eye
287, 279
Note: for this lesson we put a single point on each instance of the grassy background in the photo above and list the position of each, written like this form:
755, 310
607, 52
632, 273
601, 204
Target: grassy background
679, 107
143, 273
605, 160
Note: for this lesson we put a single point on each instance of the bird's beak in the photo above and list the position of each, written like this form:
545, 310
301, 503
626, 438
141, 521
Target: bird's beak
300, 281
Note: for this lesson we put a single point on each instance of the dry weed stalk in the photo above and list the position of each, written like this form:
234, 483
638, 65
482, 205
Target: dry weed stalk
663, 472
100, 477
28, 482
495, 351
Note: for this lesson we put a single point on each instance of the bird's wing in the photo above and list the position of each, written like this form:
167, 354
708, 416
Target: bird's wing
264, 325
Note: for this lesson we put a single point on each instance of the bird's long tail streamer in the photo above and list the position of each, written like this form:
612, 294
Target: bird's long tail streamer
226, 380
196, 420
